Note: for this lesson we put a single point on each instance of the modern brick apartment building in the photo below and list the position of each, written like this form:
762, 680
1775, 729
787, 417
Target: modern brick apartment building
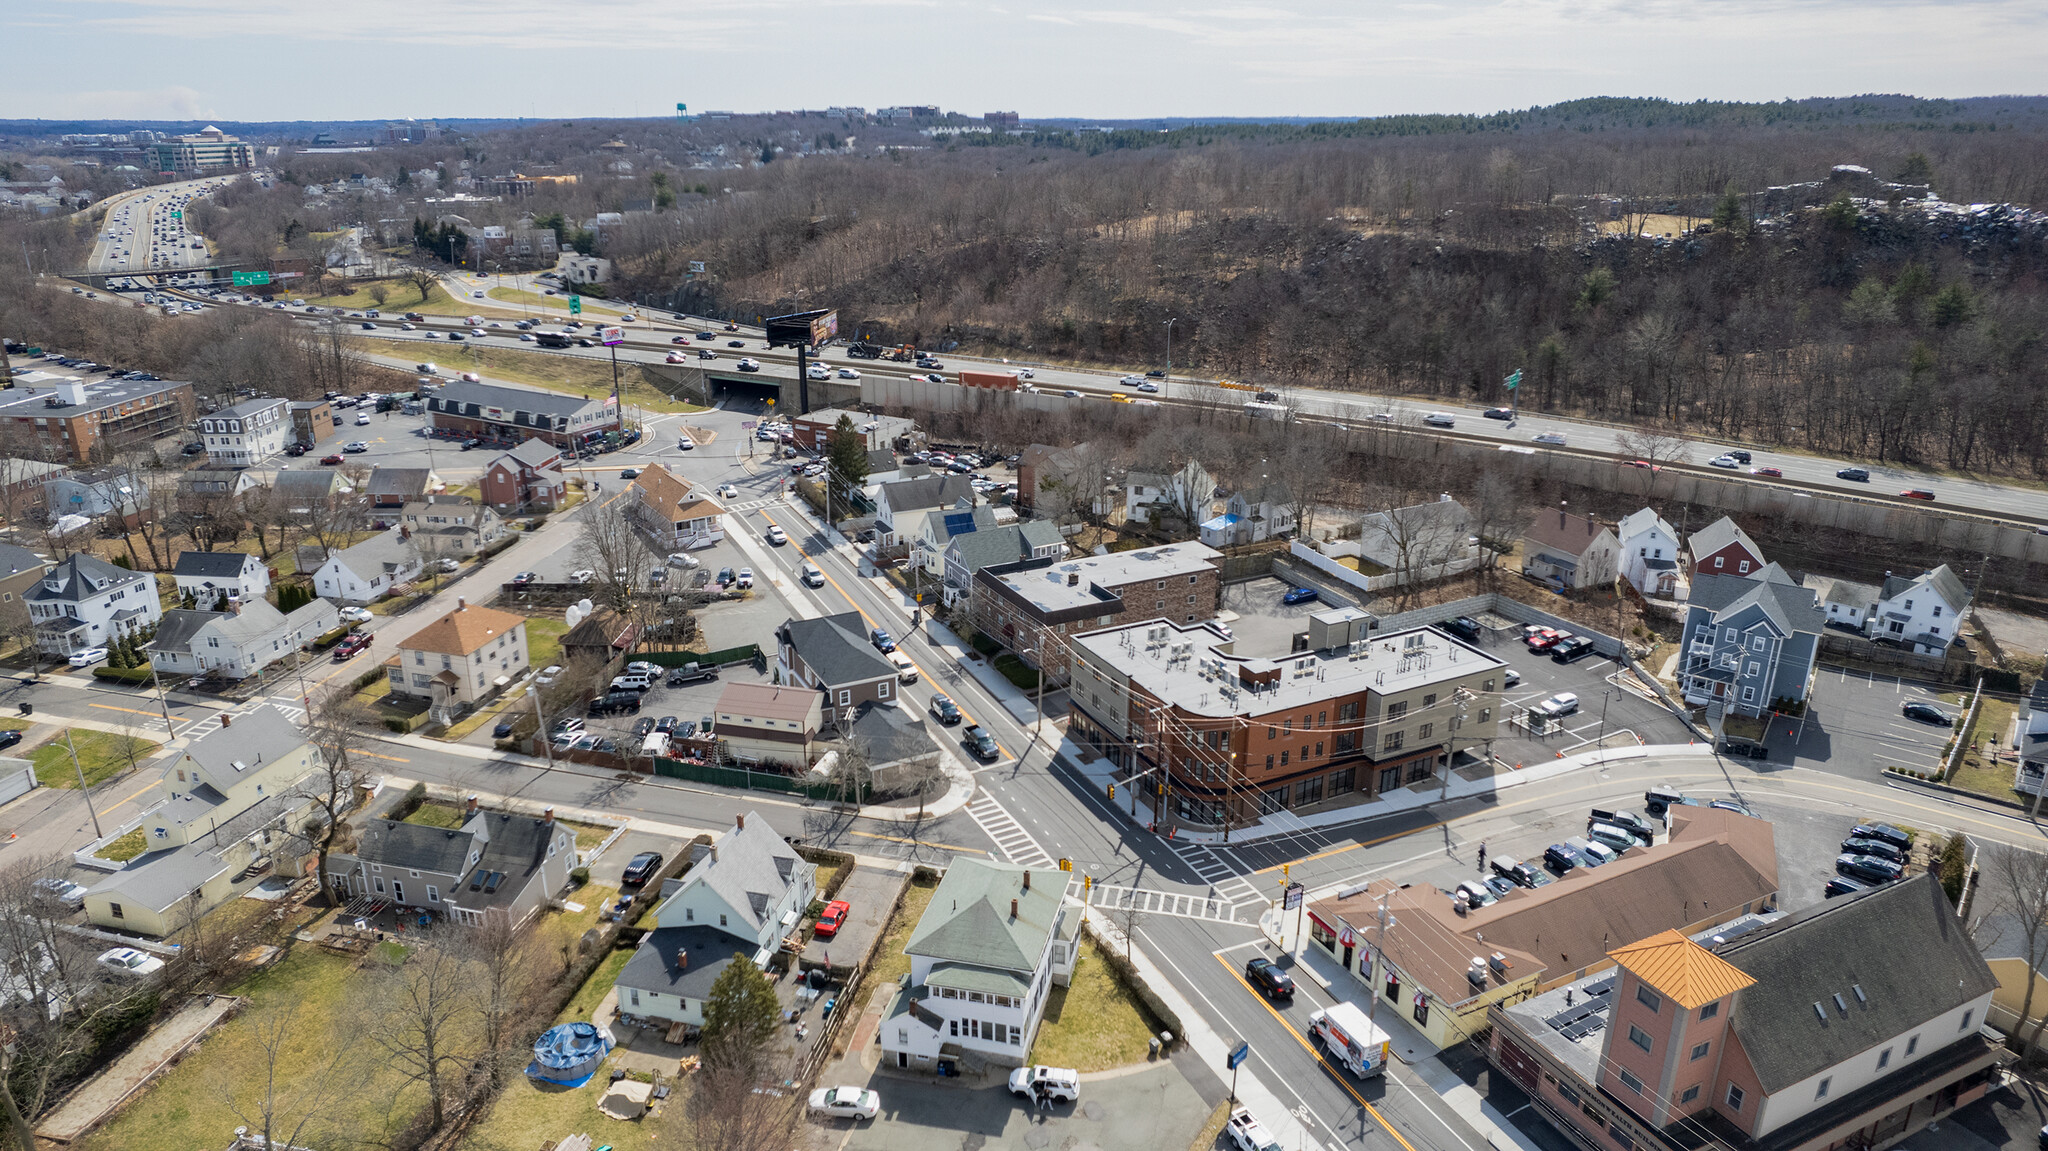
1025, 605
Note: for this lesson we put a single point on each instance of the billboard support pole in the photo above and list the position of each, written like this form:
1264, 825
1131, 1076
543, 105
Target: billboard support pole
803, 380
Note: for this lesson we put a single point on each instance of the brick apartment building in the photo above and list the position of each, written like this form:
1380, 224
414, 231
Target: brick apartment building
1240, 737
1024, 605
80, 421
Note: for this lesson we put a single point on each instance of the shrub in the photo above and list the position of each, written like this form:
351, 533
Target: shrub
414, 797
579, 875
1017, 671
1953, 862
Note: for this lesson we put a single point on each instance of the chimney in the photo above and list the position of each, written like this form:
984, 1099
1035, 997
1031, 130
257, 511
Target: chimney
223, 719
404, 533
1560, 515
548, 817
470, 808
1073, 579
682, 959
1013, 909
461, 604
740, 821
1027, 880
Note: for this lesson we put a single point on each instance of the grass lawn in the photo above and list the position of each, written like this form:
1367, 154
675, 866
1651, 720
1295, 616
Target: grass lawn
559, 303
544, 640
102, 755
125, 848
890, 963
579, 375
400, 297
1092, 1024
434, 813
1978, 772
325, 995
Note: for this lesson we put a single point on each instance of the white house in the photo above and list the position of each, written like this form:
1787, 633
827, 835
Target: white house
675, 513
1252, 516
1144, 492
1420, 541
1649, 555
369, 570
745, 894
452, 526
248, 433
1848, 604
207, 574
239, 643
900, 506
988, 948
88, 602
1924, 612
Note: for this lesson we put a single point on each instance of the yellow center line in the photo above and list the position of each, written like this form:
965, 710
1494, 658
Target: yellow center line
129, 710
1333, 1072
953, 847
374, 755
147, 787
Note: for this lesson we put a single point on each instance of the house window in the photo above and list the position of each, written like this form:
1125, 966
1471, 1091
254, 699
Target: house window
114, 909
1631, 1082
845, 697
882, 690
1912, 1045
1756, 643
1719, 562
1691, 1093
721, 919
1727, 635
1709, 1011
1649, 999
1424, 731
1395, 740
1821, 1092
1884, 1059
1269, 763
1967, 1016
635, 992
1396, 710
433, 894
1743, 567
1754, 668
1749, 695
1699, 1051
1639, 1037
1734, 1097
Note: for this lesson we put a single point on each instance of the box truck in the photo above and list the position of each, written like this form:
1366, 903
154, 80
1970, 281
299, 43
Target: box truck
1350, 1039
1001, 381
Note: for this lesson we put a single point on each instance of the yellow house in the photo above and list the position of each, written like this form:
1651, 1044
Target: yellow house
2003, 941
232, 804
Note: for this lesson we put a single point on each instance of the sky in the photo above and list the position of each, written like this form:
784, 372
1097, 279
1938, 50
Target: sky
1120, 59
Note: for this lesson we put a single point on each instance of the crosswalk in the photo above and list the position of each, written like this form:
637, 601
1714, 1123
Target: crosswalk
751, 505
1109, 897
1016, 844
1226, 876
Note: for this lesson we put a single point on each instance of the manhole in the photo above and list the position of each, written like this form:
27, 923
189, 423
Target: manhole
1092, 1110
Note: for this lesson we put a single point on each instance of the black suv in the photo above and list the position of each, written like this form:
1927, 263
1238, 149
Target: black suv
1559, 858
641, 868
1268, 980
612, 703
1464, 627
1883, 831
1868, 868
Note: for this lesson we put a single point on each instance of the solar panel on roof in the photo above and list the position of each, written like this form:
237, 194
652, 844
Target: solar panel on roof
959, 523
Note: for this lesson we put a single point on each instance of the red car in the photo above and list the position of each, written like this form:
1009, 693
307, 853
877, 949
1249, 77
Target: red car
1767, 472
350, 645
831, 919
1548, 638
330, 459
1917, 494
1646, 465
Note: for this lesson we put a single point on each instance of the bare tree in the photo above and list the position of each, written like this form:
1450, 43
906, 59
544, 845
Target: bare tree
425, 1001
511, 968
339, 729
2016, 884
729, 1111
1499, 513
616, 549
1658, 445
422, 281
280, 1097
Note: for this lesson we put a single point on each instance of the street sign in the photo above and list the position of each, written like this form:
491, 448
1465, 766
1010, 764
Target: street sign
251, 279
1238, 1054
1292, 899
1515, 380
611, 337
575, 305
177, 215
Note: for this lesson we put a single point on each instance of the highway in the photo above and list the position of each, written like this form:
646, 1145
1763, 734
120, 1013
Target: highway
144, 231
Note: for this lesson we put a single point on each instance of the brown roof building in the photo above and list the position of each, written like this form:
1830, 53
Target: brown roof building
770, 722
1571, 551
679, 515
462, 658
1717, 866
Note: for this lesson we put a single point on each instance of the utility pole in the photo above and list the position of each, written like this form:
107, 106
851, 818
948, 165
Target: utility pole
82, 788
1169, 346
1379, 956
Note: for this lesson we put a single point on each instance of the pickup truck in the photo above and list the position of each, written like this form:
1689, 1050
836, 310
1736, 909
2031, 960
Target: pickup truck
1248, 1134
691, 673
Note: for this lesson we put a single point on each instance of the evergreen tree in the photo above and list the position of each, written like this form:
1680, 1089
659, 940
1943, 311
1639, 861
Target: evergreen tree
847, 454
1951, 306
1840, 214
740, 1016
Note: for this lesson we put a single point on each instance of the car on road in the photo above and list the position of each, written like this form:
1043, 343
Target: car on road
748, 364
1071, 394
1723, 461
350, 644
882, 641
1554, 439
1061, 1083
980, 743
1917, 494
1440, 420
735, 343
61, 892
1299, 595
1876, 847
777, 536
1868, 868
503, 730
1267, 979
1926, 713
629, 473
848, 374
1148, 386
643, 866
944, 709
355, 447
521, 579
1248, 1134
1774, 473
845, 1102
582, 575
1860, 475
729, 492
1131, 381
832, 918
1499, 413
130, 961
87, 656
331, 459
1557, 706
672, 357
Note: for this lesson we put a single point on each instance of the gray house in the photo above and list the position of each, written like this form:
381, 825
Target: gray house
832, 653
1001, 544
1749, 641
496, 864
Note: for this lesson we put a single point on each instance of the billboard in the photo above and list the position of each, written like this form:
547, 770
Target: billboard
611, 337
813, 328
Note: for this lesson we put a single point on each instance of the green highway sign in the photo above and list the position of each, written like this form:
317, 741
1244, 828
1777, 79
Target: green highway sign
177, 215
251, 279
575, 305
1515, 381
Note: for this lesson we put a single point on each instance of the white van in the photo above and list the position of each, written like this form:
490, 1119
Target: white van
655, 744
906, 672
475, 321
813, 576
1440, 420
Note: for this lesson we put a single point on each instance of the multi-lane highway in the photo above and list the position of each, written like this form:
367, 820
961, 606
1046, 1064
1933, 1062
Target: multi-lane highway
144, 231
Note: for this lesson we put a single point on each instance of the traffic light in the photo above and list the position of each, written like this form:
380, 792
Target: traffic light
1112, 791
1286, 871
1087, 883
1066, 865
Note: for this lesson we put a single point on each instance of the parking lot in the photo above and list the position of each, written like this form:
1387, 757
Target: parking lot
689, 703
1154, 1106
1854, 726
1264, 626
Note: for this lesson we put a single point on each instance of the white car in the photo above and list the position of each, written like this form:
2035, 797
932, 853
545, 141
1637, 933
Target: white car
846, 1102
745, 578
582, 575
729, 491
748, 364
682, 560
472, 378
362, 418
548, 674
1557, 706
1248, 1134
129, 961
848, 374
1132, 381
88, 656
356, 446
818, 372
447, 564
777, 536
1062, 1083
356, 615
1724, 462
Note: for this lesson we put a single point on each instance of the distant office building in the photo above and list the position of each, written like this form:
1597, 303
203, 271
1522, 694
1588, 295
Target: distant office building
908, 112
1000, 119
207, 151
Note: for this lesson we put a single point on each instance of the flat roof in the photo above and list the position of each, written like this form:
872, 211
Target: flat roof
32, 400
1092, 580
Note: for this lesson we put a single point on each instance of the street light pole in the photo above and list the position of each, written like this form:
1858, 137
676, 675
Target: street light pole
1169, 346
540, 725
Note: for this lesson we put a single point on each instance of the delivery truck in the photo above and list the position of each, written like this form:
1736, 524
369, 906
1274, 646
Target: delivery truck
1350, 1039
1001, 381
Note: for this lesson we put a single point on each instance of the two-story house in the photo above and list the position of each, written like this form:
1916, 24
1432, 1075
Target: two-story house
314, 489
497, 865
1723, 548
900, 507
1570, 551
1649, 555
1144, 494
460, 659
1851, 1023
87, 602
2031, 737
769, 723
833, 654
998, 544
457, 527
527, 477
740, 899
936, 530
677, 515
98, 492
240, 642
20, 570
230, 807
983, 956
1251, 516
369, 570
207, 576
248, 433
1923, 612
1750, 641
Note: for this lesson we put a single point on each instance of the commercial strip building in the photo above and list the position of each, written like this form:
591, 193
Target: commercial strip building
1236, 738
1850, 1024
1443, 969
513, 415
80, 421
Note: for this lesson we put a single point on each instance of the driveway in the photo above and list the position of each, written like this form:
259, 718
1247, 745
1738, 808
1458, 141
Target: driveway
1150, 1106
1854, 726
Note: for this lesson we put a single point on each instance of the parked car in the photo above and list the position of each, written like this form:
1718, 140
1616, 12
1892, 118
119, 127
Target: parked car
9, 738
1464, 627
1841, 885
61, 892
1299, 595
503, 730
845, 1103
1926, 713
1578, 647
980, 743
832, 918
1062, 1083
1516, 872
615, 703
130, 961
641, 868
1474, 894
521, 579
1248, 1134
1594, 854
87, 656
1876, 847
1561, 859
1557, 706
1883, 831
1868, 868
1267, 979
548, 675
